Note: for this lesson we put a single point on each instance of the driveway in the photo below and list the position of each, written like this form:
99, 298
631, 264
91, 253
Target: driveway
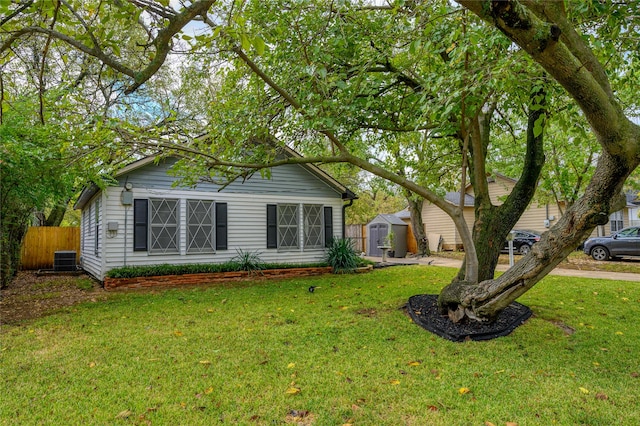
455, 263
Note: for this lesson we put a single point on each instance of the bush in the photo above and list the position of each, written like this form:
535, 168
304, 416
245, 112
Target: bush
248, 261
341, 256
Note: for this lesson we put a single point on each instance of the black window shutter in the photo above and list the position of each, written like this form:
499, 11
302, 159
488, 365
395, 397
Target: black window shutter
328, 225
140, 224
272, 226
221, 226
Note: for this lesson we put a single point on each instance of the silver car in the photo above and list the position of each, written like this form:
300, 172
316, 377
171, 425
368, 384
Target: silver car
625, 242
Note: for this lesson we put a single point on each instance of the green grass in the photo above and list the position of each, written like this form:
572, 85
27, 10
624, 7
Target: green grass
228, 355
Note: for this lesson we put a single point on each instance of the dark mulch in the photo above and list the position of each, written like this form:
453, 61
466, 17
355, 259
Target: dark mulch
423, 309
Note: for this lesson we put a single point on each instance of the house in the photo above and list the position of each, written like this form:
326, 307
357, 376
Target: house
387, 230
538, 216
144, 219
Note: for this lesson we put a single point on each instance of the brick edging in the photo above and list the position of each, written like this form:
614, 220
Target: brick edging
211, 277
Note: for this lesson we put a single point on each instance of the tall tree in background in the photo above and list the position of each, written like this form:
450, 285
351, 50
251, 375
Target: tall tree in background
342, 82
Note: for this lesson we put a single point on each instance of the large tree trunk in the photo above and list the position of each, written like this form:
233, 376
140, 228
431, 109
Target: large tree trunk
538, 30
493, 223
417, 225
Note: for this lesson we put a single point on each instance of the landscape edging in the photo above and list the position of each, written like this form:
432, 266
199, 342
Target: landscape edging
211, 277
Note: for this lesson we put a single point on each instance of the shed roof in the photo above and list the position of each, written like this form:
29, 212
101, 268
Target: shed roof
392, 219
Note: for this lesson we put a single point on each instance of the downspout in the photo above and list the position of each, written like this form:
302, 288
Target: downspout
344, 226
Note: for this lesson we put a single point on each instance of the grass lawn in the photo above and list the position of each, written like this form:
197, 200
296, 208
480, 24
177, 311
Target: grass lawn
268, 353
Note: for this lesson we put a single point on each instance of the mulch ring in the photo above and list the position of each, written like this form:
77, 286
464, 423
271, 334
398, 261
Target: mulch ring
30, 296
423, 309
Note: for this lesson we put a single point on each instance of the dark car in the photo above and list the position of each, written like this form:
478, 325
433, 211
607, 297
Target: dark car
522, 241
625, 242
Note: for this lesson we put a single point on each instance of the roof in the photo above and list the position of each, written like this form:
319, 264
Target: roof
89, 191
392, 219
454, 198
403, 214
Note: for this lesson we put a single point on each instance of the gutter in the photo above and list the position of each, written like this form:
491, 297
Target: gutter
344, 210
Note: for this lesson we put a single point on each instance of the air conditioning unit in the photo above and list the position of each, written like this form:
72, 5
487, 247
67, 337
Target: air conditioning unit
64, 261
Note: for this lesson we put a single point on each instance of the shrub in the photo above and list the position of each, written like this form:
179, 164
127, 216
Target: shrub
166, 269
248, 261
341, 256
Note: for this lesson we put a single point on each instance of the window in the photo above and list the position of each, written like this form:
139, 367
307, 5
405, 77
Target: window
616, 221
288, 226
199, 226
163, 225
313, 228
96, 247
283, 226
156, 226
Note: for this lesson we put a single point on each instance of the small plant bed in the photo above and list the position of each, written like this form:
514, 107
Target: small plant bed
423, 309
179, 275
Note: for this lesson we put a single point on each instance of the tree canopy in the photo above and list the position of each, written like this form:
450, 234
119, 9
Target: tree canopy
427, 95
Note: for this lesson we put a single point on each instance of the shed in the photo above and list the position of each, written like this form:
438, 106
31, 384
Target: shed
379, 230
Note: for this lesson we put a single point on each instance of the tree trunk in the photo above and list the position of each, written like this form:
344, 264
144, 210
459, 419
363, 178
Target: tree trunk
492, 223
56, 215
483, 301
417, 225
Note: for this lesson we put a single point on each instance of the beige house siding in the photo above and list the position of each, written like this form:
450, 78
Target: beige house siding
438, 222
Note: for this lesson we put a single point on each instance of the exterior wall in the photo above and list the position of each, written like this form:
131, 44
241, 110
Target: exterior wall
437, 222
534, 217
92, 254
246, 216
289, 179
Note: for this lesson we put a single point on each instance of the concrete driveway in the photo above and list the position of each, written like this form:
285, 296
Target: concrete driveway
454, 263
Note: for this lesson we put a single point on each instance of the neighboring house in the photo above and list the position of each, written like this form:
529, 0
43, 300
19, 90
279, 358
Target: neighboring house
145, 220
537, 217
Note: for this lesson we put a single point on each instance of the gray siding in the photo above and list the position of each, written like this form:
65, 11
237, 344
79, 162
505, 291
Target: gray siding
290, 179
246, 230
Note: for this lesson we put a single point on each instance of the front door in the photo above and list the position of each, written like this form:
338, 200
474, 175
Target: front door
377, 233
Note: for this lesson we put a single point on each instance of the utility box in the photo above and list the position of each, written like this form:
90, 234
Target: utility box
64, 261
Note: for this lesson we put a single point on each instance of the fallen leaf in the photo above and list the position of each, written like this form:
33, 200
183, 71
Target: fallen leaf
414, 363
395, 382
433, 408
291, 365
209, 310
511, 424
489, 424
92, 364
635, 374
178, 333
355, 407
601, 396
205, 362
209, 390
584, 390
463, 391
124, 414
619, 333
293, 391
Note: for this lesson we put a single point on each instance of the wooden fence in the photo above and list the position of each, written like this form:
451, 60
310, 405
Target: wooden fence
357, 234
41, 242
